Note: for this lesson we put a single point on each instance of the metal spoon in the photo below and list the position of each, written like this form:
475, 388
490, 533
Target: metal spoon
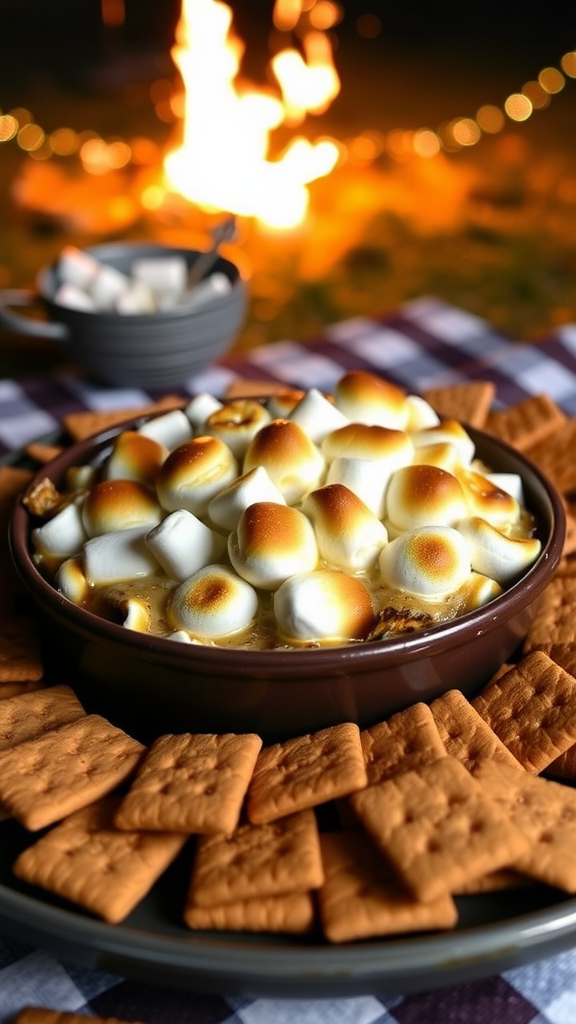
223, 232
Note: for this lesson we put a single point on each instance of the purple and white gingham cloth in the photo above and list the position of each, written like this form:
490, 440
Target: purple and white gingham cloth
426, 343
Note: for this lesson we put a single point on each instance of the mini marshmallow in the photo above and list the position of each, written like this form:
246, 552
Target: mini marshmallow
106, 287
487, 500
236, 423
119, 505
134, 457
63, 535
136, 300
271, 543
281, 404
348, 534
424, 496
206, 291
445, 456
123, 555
194, 473
509, 482
171, 429
213, 603
76, 267
182, 544
164, 276
182, 636
228, 505
326, 606
200, 408
477, 591
365, 398
317, 415
74, 298
365, 478
420, 413
81, 478
450, 431
495, 555
70, 580
389, 447
430, 562
292, 460
135, 611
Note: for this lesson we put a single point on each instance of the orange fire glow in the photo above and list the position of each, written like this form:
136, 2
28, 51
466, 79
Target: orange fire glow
223, 161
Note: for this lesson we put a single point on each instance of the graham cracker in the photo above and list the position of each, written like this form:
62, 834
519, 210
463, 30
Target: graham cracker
81, 425
555, 456
468, 401
291, 914
191, 783
306, 771
89, 862
20, 651
528, 422
43, 453
43, 1015
13, 481
437, 828
361, 897
402, 742
464, 732
257, 861
532, 708
51, 775
31, 714
554, 621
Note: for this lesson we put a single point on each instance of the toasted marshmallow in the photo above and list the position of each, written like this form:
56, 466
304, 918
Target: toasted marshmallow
213, 603
80, 478
431, 562
326, 606
317, 415
136, 613
63, 535
365, 398
364, 479
424, 496
236, 423
170, 429
291, 459
193, 473
349, 535
487, 500
450, 431
271, 543
182, 544
445, 456
420, 413
134, 457
392, 448
226, 508
200, 408
496, 555
71, 581
119, 505
509, 482
123, 555
283, 402
478, 591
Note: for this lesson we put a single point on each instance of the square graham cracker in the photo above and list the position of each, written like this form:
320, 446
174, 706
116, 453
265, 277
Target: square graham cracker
402, 742
464, 732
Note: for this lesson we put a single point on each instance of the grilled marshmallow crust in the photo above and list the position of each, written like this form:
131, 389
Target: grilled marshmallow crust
213, 603
349, 535
293, 462
496, 555
326, 606
134, 457
365, 398
114, 505
424, 496
226, 508
236, 423
431, 562
193, 473
271, 543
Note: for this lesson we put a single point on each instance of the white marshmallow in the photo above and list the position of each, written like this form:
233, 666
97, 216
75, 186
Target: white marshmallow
199, 409
134, 457
366, 398
349, 535
271, 543
81, 478
317, 415
182, 544
206, 291
495, 555
228, 505
182, 636
236, 423
213, 603
450, 431
326, 606
477, 591
63, 535
430, 562
136, 300
194, 473
488, 501
424, 496
420, 413
76, 267
391, 448
364, 478
74, 298
171, 429
136, 611
119, 505
106, 287
71, 581
164, 276
509, 482
123, 555
445, 456
292, 460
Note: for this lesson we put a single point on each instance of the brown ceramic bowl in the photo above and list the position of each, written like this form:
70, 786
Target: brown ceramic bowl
150, 684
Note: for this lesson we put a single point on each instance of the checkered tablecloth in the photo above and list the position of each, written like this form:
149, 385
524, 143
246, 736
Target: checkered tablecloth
425, 344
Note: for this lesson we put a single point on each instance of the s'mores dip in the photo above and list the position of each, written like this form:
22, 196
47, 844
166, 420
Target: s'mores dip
298, 520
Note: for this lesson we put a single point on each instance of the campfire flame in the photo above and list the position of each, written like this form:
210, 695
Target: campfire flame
223, 161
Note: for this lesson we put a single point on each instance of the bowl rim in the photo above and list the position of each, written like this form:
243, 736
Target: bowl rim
284, 662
